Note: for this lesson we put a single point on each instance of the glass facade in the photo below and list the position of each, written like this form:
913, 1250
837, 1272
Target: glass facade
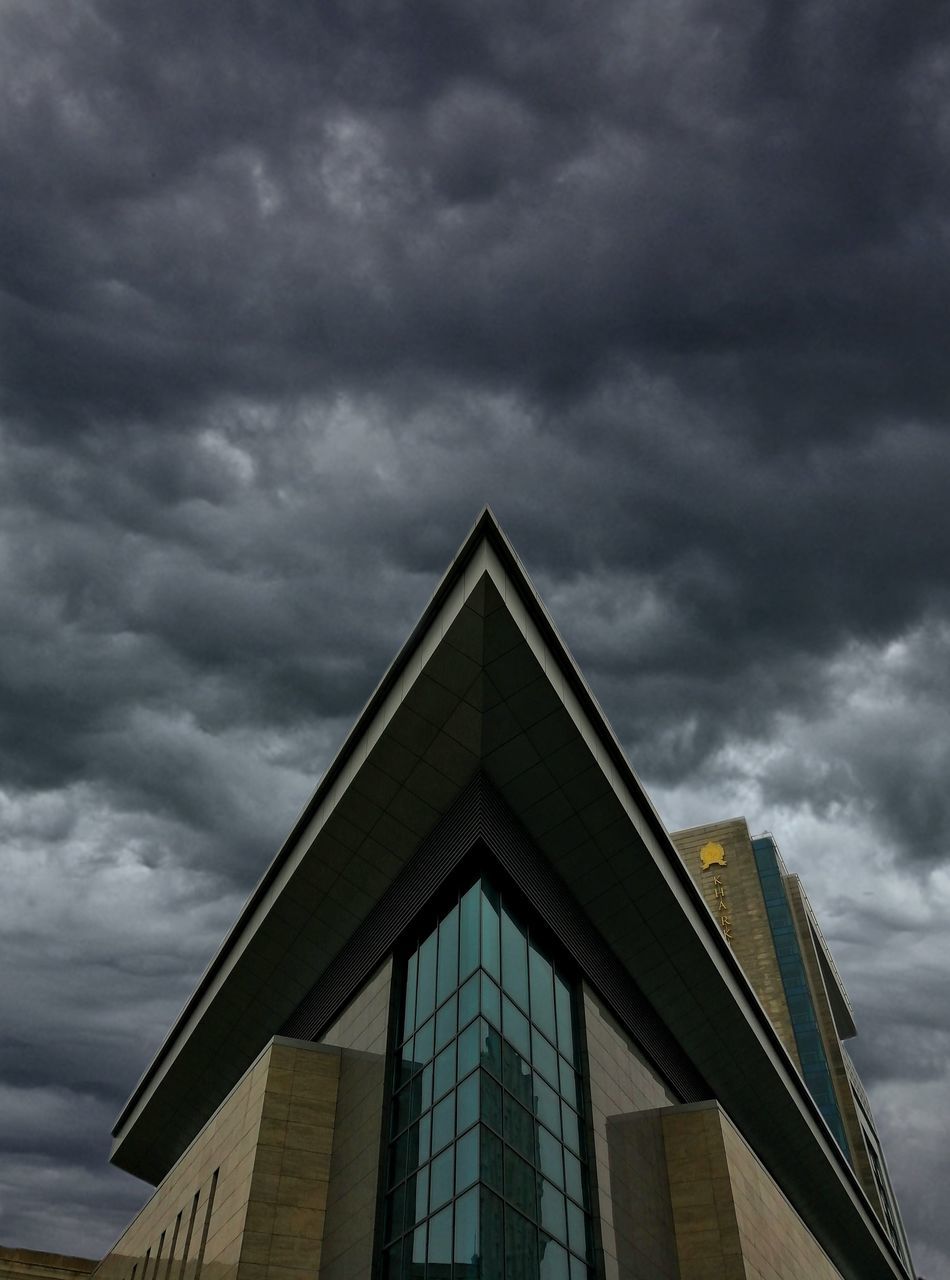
811, 1051
486, 1172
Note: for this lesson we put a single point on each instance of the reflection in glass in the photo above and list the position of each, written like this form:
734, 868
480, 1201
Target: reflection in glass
486, 1177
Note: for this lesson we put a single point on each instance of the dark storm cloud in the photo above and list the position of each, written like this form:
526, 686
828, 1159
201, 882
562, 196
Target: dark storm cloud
288, 292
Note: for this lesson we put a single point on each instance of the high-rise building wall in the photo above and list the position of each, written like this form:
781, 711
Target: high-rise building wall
479, 1019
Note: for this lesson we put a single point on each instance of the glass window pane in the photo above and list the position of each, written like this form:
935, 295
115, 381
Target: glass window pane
491, 1158
576, 1229
419, 1251
413, 1159
409, 1013
565, 1021
423, 1043
520, 1183
443, 1122
397, 1159
514, 959
466, 1236
493, 1236
553, 1211
491, 1049
521, 1248
491, 1101
468, 1000
544, 1057
490, 947
469, 1048
568, 1083
542, 993
519, 1127
441, 1178
417, 1198
446, 1022
547, 1105
573, 1177
571, 1131
395, 1212
554, 1263
440, 1241
425, 988
444, 1075
514, 1027
515, 1073
550, 1154
425, 1088
469, 932
466, 1101
448, 970
405, 1064
392, 1263
491, 1000
466, 1160
424, 1129
578, 1270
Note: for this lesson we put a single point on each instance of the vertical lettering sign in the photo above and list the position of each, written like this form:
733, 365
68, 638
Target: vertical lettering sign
710, 856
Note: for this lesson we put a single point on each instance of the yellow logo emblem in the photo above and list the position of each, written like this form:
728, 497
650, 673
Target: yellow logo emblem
712, 855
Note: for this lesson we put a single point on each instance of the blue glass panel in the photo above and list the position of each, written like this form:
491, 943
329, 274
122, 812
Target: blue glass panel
443, 1122
466, 1160
542, 993
520, 1183
568, 1083
441, 1178
554, 1263
444, 1075
571, 1130
425, 1088
424, 1041
425, 1136
493, 1236
519, 1127
425, 990
466, 1101
576, 1229
418, 1196
448, 969
565, 1022
491, 1000
550, 1156
491, 1049
419, 1251
521, 1248
514, 1027
468, 1000
553, 1211
439, 1250
514, 959
490, 945
544, 1057
469, 932
578, 1270
409, 1016
491, 1159
573, 1177
491, 1101
470, 1048
547, 1105
446, 1022
466, 1236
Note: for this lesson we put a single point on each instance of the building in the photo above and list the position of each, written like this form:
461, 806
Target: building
481, 1018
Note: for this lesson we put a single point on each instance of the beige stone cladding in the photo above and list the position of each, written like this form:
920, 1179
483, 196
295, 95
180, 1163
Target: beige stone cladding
731, 1220
32, 1264
247, 1199
634, 1210
740, 891
361, 1031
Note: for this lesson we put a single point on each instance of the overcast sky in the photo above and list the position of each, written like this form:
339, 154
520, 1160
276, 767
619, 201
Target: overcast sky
289, 290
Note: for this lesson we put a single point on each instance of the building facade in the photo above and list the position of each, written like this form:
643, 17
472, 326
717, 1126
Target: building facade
483, 1017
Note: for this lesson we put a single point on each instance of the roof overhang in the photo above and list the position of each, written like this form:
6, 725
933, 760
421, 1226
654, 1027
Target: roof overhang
485, 683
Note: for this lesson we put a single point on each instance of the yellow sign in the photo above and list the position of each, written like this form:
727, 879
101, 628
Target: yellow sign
712, 855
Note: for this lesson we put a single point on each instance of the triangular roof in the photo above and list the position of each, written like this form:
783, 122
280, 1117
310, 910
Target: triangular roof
485, 684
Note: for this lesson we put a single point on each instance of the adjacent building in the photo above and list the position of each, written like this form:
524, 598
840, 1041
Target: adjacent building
484, 1017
